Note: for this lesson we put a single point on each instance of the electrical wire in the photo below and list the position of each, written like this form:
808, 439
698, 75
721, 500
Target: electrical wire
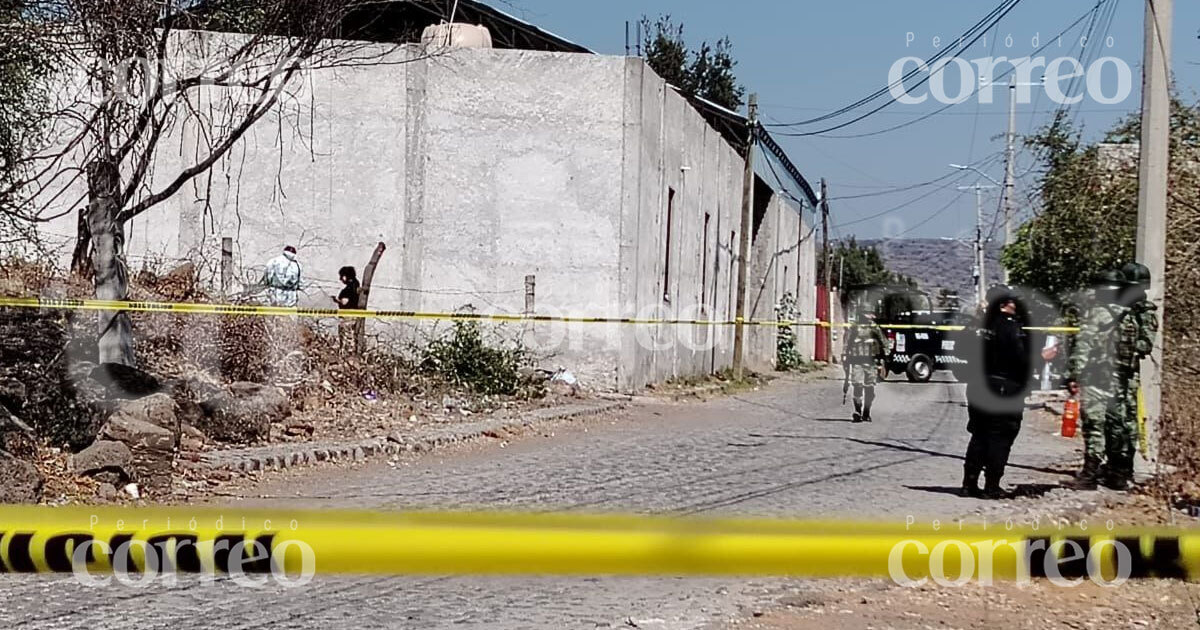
891, 101
980, 27
960, 177
782, 187
979, 105
1090, 50
931, 217
893, 191
1094, 10
1094, 110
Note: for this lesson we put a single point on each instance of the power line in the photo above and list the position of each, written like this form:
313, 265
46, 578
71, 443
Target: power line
978, 105
893, 99
1091, 50
1094, 110
782, 187
904, 205
1094, 10
975, 32
906, 188
931, 217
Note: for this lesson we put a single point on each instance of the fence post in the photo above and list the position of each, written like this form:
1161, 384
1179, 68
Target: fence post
530, 293
226, 265
364, 294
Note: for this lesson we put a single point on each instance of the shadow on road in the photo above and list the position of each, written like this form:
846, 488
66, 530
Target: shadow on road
935, 489
913, 449
1031, 490
907, 449
1034, 490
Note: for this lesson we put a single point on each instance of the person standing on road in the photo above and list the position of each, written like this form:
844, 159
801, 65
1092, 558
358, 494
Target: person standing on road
1136, 335
866, 348
1093, 365
282, 278
1001, 372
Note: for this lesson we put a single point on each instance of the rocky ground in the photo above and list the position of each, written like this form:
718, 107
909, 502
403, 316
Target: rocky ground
72, 430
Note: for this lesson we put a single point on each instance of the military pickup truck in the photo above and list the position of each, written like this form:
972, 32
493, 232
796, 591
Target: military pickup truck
916, 352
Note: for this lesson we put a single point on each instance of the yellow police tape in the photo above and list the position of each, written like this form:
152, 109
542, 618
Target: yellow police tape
234, 541
277, 311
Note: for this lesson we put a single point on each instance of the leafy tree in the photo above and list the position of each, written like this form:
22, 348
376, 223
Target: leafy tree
707, 72
1087, 223
22, 63
665, 50
1088, 217
712, 76
856, 265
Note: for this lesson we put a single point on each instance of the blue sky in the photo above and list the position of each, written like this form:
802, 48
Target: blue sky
809, 57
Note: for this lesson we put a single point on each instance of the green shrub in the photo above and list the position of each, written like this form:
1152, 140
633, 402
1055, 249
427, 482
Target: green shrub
787, 357
462, 358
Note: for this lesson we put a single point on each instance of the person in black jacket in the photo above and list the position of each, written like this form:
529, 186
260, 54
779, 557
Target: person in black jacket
348, 299
1000, 368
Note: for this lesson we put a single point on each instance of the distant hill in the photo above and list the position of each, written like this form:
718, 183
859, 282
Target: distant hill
937, 263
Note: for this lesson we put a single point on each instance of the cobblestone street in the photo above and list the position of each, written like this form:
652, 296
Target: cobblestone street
785, 451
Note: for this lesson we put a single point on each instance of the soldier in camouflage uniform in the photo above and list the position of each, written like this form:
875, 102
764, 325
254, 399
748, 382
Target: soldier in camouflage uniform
866, 348
1136, 334
1093, 364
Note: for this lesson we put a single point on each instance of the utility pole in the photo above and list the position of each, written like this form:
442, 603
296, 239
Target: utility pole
739, 330
980, 253
1010, 175
1152, 190
827, 261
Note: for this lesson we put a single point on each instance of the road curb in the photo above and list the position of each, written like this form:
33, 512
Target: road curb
295, 455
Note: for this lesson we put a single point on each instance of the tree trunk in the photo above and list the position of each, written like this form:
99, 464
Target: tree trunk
364, 293
108, 261
81, 258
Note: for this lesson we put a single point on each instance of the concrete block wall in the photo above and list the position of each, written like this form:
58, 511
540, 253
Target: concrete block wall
683, 180
518, 172
481, 167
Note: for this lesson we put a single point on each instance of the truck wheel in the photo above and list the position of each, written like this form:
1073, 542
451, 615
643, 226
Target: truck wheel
920, 369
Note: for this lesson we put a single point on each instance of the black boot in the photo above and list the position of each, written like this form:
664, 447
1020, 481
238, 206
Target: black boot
1119, 475
970, 488
1088, 478
992, 490
858, 415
